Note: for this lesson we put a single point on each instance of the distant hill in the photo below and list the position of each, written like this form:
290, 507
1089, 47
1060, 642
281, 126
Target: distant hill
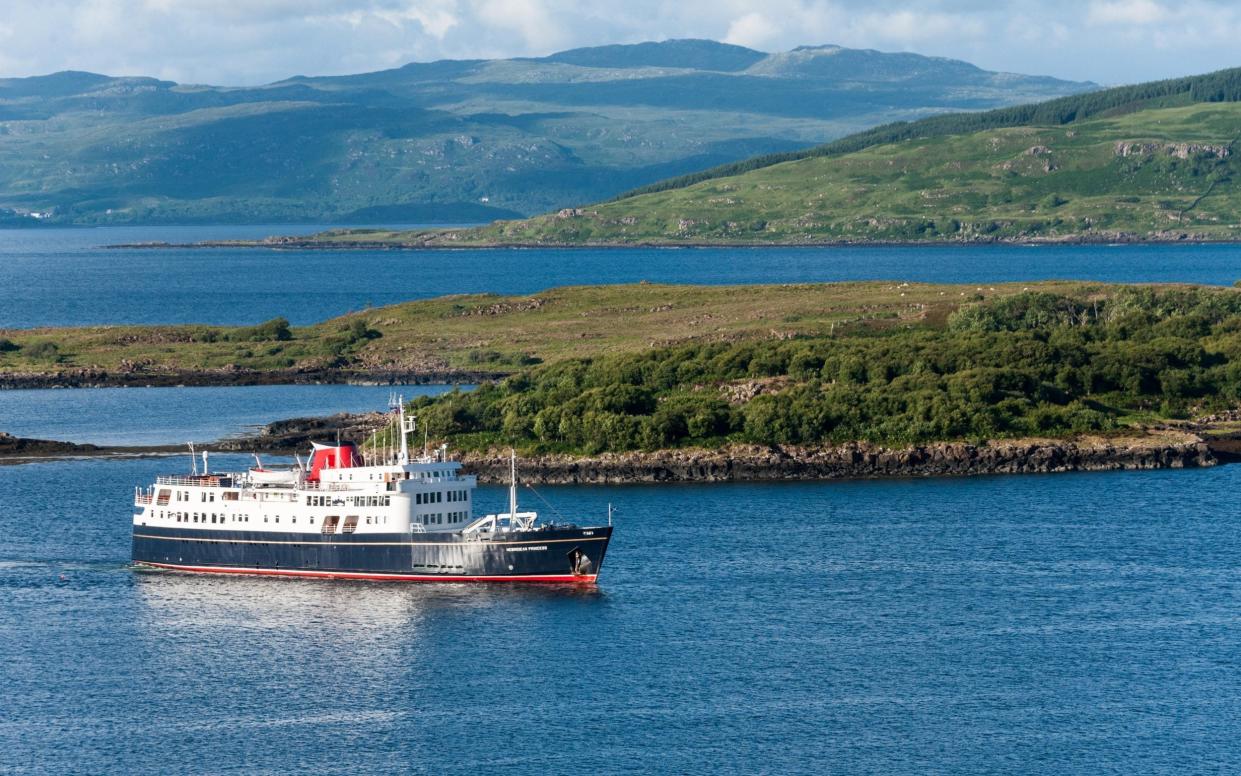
1155, 161
450, 140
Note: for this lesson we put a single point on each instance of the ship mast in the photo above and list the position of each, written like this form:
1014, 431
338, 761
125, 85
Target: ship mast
512, 491
407, 427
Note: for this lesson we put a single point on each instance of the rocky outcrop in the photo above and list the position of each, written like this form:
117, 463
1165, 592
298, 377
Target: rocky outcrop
1178, 150
296, 434
19, 447
855, 460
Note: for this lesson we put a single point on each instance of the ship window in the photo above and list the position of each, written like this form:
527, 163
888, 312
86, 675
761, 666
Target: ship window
312, 521
211, 497
387, 500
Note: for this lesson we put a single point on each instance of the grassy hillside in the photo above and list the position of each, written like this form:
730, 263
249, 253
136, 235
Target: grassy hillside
1156, 161
453, 140
484, 332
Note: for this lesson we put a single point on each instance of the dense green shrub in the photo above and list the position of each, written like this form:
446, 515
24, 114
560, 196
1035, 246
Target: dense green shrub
277, 329
1033, 363
44, 351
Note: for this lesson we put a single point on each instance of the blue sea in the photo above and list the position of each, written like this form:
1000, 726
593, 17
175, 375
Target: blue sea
62, 277
173, 416
1068, 623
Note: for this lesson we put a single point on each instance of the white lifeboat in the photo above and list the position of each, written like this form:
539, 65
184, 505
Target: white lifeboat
273, 476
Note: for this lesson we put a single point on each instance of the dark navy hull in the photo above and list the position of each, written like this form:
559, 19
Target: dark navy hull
547, 555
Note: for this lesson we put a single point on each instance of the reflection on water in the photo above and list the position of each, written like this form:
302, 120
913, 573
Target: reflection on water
347, 609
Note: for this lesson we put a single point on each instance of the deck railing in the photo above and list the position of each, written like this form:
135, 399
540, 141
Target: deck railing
199, 481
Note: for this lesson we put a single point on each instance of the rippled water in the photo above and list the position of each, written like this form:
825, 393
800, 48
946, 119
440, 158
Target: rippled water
1047, 624
61, 277
173, 416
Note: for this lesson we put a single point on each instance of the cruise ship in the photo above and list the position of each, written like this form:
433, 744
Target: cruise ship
347, 514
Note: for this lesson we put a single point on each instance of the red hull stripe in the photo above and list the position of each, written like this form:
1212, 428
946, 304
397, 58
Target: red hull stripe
562, 578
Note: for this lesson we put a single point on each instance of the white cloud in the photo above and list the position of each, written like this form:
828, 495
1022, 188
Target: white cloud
753, 30
1140, 12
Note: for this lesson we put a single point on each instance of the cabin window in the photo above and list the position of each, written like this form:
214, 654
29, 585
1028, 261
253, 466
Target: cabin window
351, 524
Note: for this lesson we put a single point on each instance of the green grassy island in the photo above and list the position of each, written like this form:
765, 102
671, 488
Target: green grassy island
1151, 162
646, 367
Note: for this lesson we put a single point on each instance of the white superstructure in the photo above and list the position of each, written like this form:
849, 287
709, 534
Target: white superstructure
339, 491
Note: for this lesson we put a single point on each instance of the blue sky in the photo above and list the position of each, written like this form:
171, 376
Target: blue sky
257, 41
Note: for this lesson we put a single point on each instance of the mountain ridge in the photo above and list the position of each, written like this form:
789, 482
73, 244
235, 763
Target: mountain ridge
1155, 161
489, 138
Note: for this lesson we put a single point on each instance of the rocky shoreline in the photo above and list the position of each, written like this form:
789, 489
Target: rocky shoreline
437, 243
857, 461
1156, 449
